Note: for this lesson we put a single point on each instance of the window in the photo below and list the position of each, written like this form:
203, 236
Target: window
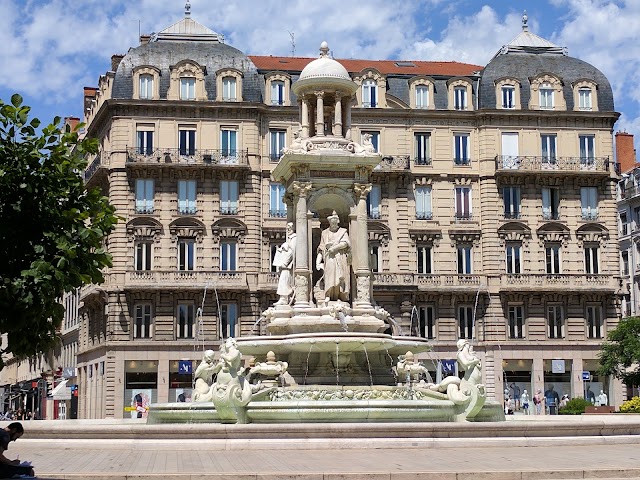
187, 88
463, 203
186, 320
424, 259
229, 145
516, 321
229, 89
624, 224
423, 203
146, 87
513, 258
375, 139
460, 98
548, 149
584, 99
550, 203
589, 202
552, 256
422, 96
427, 322
591, 259
465, 260
143, 256
369, 94
374, 258
277, 143
625, 262
228, 256
461, 149
423, 150
277, 208
546, 97
144, 195
465, 322
277, 92
228, 197
144, 142
186, 254
587, 150
187, 142
142, 321
511, 199
187, 197
555, 321
508, 97
274, 251
594, 321
229, 319
374, 199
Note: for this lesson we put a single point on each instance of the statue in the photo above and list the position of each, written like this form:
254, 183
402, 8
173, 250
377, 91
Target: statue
284, 261
231, 392
299, 144
334, 258
407, 368
366, 148
271, 370
204, 377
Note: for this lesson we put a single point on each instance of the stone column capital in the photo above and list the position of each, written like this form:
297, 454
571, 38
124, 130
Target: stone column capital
361, 190
319, 93
302, 189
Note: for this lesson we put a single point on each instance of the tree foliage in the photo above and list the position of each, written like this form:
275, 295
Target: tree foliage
51, 230
620, 354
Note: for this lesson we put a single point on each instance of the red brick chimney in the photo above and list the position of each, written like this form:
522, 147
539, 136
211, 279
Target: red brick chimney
115, 61
89, 95
72, 122
625, 152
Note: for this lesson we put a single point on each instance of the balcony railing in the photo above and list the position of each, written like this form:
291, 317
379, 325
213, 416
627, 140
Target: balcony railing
422, 161
424, 215
630, 192
553, 164
395, 162
95, 164
187, 156
160, 279
560, 281
278, 213
431, 281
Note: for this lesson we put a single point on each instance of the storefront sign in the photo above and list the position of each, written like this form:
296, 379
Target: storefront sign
185, 366
586, 376
557, 366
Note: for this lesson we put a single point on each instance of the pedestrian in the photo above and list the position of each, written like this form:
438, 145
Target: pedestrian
537, 401
9, 468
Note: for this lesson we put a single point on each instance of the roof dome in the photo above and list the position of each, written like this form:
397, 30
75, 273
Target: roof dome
324, 72
324, 67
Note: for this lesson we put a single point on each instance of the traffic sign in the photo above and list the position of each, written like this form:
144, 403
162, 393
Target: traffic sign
586, 376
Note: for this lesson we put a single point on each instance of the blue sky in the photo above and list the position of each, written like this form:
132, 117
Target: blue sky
51, 49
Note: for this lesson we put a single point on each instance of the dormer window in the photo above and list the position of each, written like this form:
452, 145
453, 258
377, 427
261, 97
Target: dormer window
187, 88
460, 98
508, 97
146, 87
277, 92
369, 94
229, 89
585, 96
546, 97
422, 96
584, 99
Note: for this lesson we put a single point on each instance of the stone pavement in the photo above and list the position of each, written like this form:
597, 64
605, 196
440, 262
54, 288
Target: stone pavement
349, 459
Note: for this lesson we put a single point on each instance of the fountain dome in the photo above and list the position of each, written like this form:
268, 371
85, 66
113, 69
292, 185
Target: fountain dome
323, 72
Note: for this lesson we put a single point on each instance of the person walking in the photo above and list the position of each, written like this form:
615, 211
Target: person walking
9, 468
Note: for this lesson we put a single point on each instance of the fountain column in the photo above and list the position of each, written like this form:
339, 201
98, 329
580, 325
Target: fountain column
305, 118
319, 113
347, 126
337, 122
302, 271
362, 296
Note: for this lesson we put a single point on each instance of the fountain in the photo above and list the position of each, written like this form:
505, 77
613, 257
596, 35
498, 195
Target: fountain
326, 357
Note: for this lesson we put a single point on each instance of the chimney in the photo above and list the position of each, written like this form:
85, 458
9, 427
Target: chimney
625, 153
144, 39
115, 61
89, 95
72, 122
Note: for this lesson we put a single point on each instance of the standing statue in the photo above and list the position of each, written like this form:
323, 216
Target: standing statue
334, 258
284, 261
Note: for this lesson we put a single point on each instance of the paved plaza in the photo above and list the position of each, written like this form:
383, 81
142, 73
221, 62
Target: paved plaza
348, 457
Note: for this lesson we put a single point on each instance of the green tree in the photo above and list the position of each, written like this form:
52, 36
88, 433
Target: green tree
620, 354
51, 227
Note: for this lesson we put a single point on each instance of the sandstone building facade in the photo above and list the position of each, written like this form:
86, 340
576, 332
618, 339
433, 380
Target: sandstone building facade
492, 215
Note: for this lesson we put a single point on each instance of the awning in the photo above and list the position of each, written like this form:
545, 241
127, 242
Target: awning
61, 391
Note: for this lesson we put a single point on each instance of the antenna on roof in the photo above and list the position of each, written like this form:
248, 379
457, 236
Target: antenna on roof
293, 43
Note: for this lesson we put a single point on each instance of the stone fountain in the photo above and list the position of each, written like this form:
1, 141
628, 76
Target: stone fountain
331, 354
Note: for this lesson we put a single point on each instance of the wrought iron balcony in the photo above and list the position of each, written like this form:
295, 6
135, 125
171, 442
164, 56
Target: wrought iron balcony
395, 162
553, 164
423, 161
178, 156
424, 215
96, 163
229, 211
461, 162
278, 213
